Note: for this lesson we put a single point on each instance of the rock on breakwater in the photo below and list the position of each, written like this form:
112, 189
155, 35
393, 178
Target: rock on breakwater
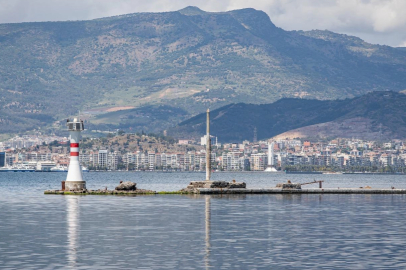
128, 185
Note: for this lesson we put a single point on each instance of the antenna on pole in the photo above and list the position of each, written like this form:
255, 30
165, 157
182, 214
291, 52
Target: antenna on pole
380, 132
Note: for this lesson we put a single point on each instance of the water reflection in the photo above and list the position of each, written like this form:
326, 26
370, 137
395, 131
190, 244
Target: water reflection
177, 232
207, 228
72, 204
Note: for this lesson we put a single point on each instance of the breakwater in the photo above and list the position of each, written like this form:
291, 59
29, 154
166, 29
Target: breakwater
303, 191
209, 191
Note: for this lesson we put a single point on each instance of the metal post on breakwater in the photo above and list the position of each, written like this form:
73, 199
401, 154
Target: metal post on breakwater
208, 147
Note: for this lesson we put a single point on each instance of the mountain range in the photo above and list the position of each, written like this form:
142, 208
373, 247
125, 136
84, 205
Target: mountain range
183, 61
374, 116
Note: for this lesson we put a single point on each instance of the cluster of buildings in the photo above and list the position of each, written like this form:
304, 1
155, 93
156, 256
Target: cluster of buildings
346, 153
28, 151
339, 154
297, 155
27, 141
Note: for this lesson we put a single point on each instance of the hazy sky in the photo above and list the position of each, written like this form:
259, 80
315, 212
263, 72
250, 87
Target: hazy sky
375, 21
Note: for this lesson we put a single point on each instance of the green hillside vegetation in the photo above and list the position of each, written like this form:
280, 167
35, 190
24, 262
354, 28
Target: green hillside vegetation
147, 118
236, 122
188, 59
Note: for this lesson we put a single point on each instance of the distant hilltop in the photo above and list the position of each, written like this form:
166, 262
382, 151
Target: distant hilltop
187, 59
374, 116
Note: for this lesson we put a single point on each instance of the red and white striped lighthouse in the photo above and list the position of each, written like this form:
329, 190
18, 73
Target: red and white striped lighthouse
74, 180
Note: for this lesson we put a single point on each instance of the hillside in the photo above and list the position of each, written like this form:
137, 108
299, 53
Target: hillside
376, 115
147, 118
188, 59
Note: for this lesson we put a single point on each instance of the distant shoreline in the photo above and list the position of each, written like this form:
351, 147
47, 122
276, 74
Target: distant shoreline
244, 172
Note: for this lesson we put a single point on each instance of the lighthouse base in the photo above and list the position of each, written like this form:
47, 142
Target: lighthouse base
75, 185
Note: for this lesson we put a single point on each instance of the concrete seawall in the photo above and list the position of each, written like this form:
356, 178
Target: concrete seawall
210, 191
301, 191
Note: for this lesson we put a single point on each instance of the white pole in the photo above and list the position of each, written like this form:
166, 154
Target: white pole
270, 154
271, 167
208, 145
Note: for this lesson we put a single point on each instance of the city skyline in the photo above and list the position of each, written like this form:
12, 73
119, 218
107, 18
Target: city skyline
149, 154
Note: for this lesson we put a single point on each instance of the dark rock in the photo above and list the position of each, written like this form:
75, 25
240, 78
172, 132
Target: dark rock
127, 186
289, 185
219, 184
237, 185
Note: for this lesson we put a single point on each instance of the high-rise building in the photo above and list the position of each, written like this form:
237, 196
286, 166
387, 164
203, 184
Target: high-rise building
2, 159
151, 161
112, 160
102, 159
258, 161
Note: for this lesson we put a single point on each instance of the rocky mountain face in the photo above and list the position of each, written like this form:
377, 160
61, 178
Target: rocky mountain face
188, 59
376, 115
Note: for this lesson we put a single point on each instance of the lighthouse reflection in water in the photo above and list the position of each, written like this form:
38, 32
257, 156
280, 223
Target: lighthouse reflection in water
73, 231
72, 203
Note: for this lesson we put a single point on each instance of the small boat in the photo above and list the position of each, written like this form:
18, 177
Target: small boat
85, 169
17, 169
59, 169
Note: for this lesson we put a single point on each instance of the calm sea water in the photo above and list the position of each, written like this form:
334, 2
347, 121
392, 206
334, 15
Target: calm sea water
200, 232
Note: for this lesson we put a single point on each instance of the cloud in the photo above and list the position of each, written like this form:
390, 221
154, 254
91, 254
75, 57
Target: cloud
403, 44
12, 11
376, 21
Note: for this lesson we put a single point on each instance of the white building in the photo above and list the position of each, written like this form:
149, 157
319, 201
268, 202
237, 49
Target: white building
259, 161
151, 161
112, 160
231, 161
212, 138
102, 158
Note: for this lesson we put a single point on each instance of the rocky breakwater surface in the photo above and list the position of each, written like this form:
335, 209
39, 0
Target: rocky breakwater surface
124, 188
219, 186
289, 185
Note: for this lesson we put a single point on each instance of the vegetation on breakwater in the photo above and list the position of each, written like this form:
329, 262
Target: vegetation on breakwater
101, 192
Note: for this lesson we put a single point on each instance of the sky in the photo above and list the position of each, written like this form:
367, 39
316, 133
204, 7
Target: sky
375, 21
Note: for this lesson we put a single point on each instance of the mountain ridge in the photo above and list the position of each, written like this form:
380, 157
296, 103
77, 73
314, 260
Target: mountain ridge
51, 70
376, 115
